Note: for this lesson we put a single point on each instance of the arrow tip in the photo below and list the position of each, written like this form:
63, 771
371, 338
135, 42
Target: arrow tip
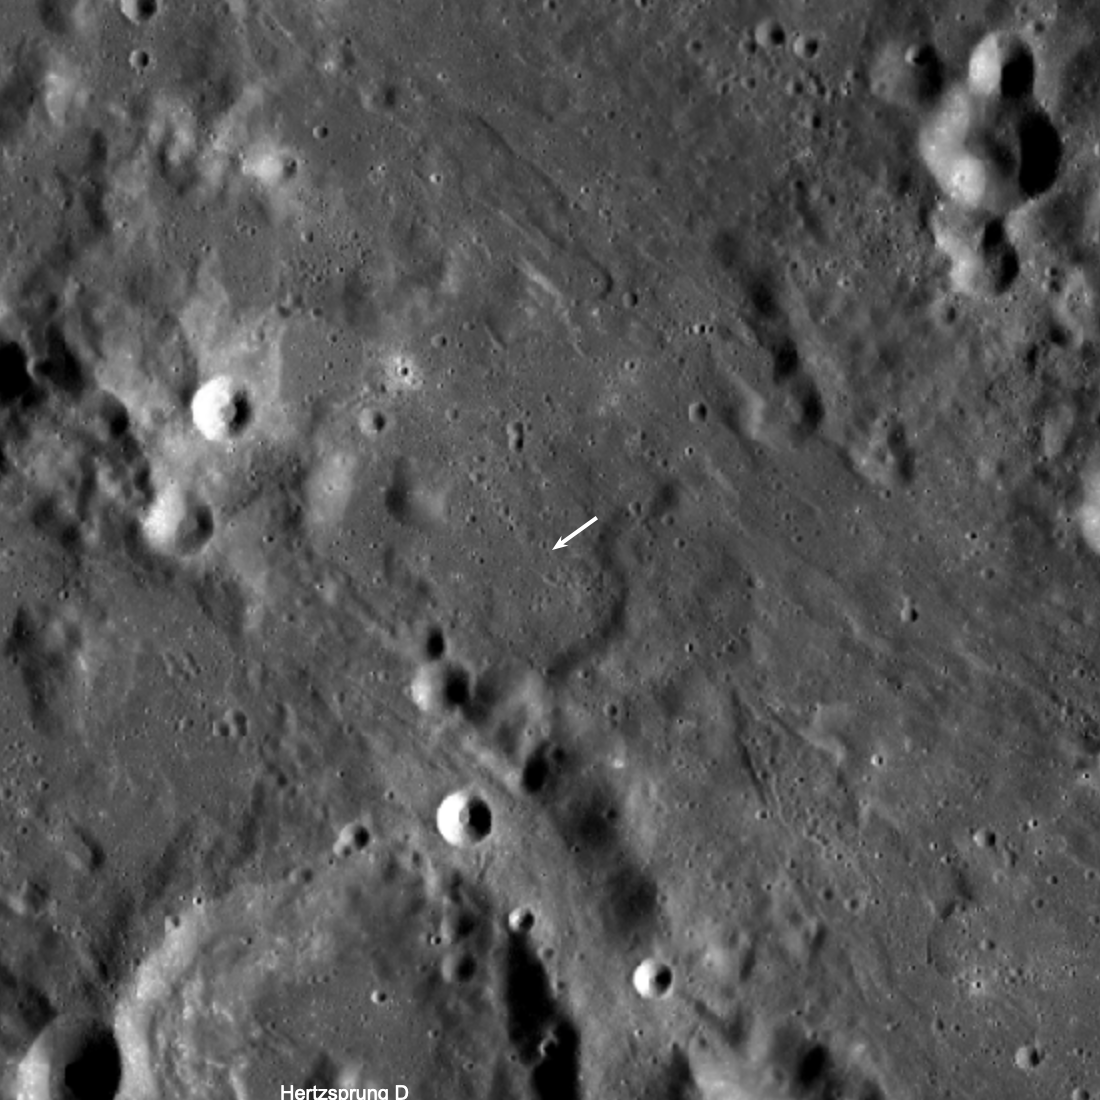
559, 544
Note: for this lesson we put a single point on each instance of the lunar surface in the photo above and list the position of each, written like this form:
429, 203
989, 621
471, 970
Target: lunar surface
550, 550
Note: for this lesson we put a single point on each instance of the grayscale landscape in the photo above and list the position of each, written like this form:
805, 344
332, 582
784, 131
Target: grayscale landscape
550, 550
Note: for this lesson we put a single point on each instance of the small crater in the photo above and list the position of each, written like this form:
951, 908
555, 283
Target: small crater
912, 78
769, 34
653, 979
464, 819
813, 1067
993, 235
435, 644
459, 968
196, 529
479, 818
521, 920
927, 65
543, 767
439, 688
221, 410
372, 422
1040, 153
1018, 72
1002, 65
806, 47
113, 415
1028, 1057
232, 725
92, 1068
353, 837
458, 923
239, 414
456, 687
1004, 269
140, 11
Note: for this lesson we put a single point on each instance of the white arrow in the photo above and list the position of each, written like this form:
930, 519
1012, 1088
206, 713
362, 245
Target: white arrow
561, 542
